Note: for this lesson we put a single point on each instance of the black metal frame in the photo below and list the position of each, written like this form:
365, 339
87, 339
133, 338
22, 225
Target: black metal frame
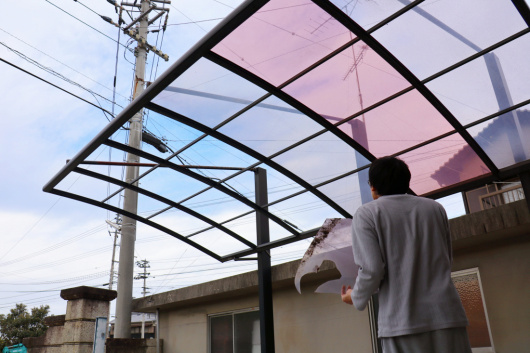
203, 49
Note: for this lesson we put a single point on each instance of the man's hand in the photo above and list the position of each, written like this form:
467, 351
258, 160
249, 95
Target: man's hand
345, 293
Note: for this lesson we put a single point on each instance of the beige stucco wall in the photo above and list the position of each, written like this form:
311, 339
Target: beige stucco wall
306, 323
505, 274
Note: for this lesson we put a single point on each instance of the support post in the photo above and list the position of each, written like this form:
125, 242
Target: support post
264, 266
130, 203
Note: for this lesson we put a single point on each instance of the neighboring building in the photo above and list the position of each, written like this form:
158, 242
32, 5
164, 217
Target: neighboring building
491, 269
136, 325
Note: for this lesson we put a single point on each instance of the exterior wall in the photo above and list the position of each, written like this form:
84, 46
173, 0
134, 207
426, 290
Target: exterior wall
495, 241
504, 271
303, 323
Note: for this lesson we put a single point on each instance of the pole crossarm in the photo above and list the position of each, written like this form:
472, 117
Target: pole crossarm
202, 179
166, 201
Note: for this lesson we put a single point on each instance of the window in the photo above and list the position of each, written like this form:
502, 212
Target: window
236, 332
469, 287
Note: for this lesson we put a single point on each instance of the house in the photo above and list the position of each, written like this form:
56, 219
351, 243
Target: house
491, 267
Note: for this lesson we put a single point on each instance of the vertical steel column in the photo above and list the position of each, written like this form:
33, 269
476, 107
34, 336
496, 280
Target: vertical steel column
264, 266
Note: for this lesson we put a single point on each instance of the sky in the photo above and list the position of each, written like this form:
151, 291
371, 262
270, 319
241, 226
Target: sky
49, 243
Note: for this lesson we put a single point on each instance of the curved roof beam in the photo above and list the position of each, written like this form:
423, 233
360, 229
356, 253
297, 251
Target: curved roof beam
202, 179
221, 137
136, 217
166, 201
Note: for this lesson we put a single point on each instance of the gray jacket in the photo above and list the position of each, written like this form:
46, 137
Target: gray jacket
403, 247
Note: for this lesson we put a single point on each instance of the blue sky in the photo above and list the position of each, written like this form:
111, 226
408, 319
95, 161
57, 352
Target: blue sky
49, 243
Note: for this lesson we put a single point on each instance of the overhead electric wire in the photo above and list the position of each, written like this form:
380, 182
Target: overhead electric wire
69, 14
60, 62
55, 246
54, 73
51, 84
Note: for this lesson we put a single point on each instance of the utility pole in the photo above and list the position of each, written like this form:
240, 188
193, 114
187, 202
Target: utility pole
117, 230
130, 203
145, 265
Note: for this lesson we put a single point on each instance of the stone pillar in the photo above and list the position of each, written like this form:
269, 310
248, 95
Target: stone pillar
84, 305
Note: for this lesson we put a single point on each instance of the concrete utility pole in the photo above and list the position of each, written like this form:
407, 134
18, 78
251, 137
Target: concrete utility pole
145, 265
130, 203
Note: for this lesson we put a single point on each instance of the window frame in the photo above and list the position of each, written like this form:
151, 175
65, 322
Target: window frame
231, 313
470, 271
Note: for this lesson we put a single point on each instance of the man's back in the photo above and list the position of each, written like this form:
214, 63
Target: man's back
402, 243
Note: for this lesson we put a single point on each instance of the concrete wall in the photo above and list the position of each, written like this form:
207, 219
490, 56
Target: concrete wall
497, 241
303, 323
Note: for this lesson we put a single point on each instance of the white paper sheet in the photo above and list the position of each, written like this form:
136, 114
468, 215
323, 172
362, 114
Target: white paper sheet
332, 243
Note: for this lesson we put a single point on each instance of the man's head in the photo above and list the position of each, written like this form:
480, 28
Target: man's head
389, 176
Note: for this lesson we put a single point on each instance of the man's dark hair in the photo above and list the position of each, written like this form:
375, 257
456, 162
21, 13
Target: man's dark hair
389, 176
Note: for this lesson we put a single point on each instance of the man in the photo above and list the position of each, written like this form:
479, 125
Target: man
403, 248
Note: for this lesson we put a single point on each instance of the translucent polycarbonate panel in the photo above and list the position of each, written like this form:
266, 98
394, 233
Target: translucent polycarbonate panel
218, 242
304, 212
283, 38
506, 139
348, 192
352, 80
439, 33
369, 13
321, 159
208, 93
399, 124
217, 205
468, 287
487, 84
443, 163
270, 127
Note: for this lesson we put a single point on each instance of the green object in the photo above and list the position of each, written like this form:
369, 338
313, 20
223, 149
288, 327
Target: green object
17, 348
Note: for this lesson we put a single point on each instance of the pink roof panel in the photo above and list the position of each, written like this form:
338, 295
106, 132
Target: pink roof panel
282, 39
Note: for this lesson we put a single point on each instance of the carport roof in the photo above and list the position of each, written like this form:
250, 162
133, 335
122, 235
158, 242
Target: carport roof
313, 91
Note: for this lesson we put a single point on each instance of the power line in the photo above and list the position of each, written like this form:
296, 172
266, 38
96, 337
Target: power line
60, 62
69, 14
54, 73
51, 84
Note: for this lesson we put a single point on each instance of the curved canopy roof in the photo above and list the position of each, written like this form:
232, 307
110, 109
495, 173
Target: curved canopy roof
312, 91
